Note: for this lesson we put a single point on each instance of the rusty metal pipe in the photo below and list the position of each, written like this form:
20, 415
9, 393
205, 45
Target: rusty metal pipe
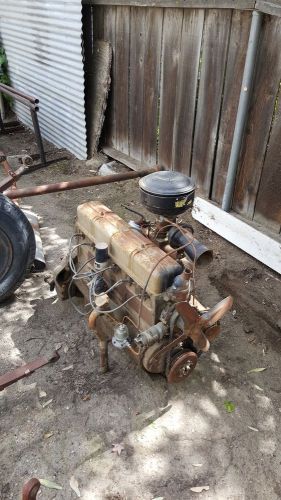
21, 99
12, 176
4, 88
136, 355
103, 343
81, 183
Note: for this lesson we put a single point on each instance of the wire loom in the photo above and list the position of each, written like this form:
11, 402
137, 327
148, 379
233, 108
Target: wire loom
92, 275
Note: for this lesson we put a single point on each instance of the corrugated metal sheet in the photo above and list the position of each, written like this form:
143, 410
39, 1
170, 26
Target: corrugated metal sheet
43, 43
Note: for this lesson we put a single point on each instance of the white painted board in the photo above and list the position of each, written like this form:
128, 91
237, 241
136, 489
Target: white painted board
254, 242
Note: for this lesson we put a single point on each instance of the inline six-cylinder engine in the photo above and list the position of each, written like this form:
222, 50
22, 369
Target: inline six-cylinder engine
137, 279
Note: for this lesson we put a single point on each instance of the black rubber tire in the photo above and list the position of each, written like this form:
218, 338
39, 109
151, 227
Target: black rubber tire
17, 247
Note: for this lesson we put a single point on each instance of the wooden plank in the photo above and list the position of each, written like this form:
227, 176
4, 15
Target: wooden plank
272, 7
192, 30
240, 29
121, 91
87, 34
266, 84
189, 4
268, 203
254, 242
98, 22
125, 159
172, 28
214, 54
151, 84
97, 84
110, 36
137, 53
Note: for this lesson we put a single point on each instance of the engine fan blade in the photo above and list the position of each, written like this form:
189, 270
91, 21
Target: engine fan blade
209, 318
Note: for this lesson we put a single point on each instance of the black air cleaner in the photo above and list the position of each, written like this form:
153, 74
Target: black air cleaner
167, 193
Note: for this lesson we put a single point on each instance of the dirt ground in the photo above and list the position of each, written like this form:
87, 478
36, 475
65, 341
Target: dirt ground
174, 437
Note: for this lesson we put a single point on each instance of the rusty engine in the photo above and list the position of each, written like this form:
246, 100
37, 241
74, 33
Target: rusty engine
137, 279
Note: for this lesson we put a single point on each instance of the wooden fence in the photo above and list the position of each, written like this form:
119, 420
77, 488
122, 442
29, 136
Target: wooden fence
176, 79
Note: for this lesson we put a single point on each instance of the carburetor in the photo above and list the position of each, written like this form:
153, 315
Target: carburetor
137, 279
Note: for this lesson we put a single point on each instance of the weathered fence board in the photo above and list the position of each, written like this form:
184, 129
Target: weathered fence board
172, 28
266, 86
98, 22
186, 88
122, 48
151, 85
189, 4
137, 54
214, 53
268, 203
109, 35
239, 36
272, 7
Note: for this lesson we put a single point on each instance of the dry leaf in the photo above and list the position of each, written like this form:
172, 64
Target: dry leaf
48, 435
50, 484
58, 347
46, 403
253, 428
199, 489
197, 465
258, 388
70, 367
42, 394
117, 448
74, 485
86, 397
256, 370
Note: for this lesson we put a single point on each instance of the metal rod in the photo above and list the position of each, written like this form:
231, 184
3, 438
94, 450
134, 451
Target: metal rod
4, 88
2, 126
38, 136
38, 166
21, 99
2, 107
12, 177
243, 107
13, 376
81, 183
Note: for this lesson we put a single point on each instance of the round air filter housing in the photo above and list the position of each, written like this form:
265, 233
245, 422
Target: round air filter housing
167, 193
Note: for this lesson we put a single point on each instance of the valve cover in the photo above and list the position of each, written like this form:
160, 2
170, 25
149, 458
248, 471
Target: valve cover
135, 254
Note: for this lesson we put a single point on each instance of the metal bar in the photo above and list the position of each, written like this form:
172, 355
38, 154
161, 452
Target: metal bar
2, 107
13, 376
38, 166
38, 136
12, 176
19, 98
2, 126
81, 183
5, 88
242, 113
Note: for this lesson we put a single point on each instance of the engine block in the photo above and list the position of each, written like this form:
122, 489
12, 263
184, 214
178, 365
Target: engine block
137, 279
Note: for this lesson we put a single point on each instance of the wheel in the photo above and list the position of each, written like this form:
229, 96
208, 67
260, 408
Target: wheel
17, 247
181, 367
